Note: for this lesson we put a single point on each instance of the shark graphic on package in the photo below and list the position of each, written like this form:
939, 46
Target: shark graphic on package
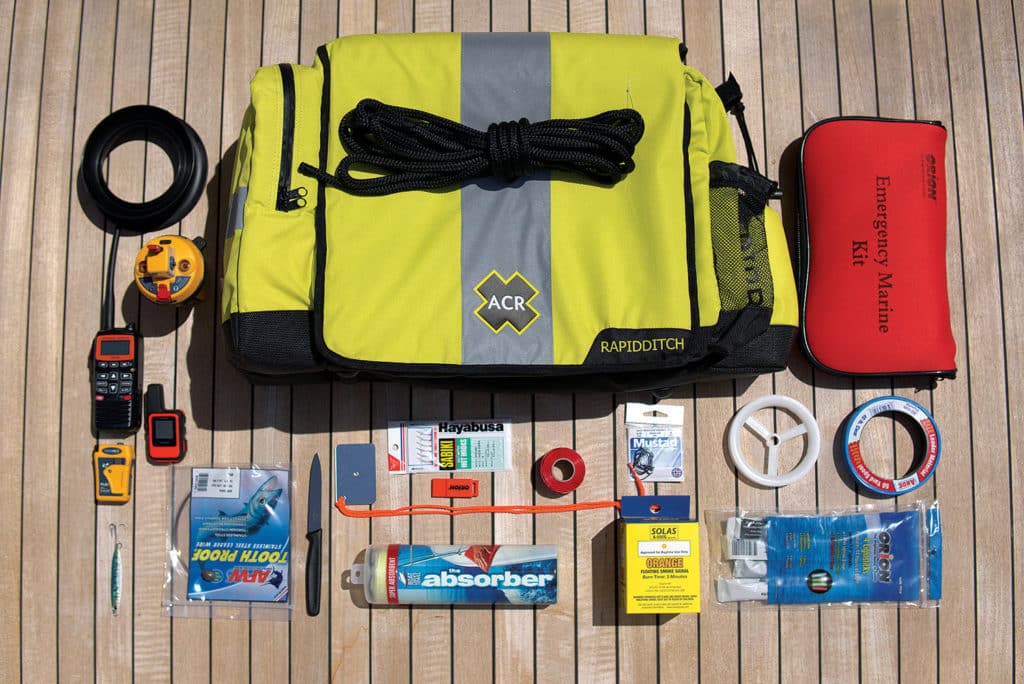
240, 535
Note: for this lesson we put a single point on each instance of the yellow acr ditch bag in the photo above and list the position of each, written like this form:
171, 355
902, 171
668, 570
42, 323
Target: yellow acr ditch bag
537, 275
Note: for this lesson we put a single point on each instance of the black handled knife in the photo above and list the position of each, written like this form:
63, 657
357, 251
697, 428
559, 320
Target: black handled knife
314, 535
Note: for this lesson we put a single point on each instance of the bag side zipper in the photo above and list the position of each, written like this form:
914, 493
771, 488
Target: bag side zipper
691, 227
288, 198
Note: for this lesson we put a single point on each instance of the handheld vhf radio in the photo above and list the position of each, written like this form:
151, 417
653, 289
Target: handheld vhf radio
116, 365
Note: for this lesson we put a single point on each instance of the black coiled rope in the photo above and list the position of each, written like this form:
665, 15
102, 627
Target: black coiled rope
421, 151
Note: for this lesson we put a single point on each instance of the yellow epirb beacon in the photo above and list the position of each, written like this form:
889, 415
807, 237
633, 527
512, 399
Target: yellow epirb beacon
170, 269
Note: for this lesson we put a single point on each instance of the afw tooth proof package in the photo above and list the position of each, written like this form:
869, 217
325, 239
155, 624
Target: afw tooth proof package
229, 542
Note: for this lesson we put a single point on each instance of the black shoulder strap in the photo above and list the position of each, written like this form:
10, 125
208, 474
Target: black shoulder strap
732, 98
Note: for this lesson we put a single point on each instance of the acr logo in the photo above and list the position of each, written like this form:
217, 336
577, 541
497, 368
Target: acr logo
506, 301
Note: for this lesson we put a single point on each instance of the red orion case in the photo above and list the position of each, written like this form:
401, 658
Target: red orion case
873, 248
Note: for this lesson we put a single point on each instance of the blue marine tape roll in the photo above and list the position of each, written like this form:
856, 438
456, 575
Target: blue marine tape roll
924, 463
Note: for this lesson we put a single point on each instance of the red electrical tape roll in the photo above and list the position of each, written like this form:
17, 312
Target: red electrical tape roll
546, 470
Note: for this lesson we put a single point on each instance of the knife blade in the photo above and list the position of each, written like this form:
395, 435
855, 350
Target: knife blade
314, 534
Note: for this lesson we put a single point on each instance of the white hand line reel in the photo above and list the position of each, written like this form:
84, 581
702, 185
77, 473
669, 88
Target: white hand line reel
770, 477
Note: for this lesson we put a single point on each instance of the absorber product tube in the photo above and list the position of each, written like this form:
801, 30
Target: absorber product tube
465, 574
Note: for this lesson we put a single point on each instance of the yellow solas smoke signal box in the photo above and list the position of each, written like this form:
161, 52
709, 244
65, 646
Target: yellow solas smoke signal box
659, 555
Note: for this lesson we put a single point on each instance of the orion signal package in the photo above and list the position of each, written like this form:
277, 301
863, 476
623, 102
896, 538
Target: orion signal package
863, 555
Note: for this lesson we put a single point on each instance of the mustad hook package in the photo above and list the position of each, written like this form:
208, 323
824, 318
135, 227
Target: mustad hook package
859, 555
654, 439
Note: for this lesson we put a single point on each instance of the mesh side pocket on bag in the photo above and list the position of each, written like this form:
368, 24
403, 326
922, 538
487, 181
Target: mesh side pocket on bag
738, 200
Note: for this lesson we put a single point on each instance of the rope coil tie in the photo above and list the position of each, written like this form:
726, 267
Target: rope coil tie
509, 149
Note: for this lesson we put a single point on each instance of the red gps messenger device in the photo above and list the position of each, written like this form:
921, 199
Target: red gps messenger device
165, 428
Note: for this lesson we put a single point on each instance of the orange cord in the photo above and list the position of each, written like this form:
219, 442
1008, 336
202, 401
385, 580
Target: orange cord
439, 509
636, 478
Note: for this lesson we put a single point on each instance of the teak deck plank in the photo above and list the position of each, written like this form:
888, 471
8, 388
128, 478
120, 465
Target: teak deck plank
66, 65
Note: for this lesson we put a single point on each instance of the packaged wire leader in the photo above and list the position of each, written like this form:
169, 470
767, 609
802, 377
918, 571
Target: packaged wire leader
449, 446
654, 440
860, 555
229, 542
470, 574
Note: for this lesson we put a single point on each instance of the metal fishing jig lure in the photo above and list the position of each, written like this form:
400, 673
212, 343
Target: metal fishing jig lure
115, 571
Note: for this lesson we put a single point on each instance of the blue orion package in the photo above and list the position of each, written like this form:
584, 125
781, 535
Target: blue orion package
865, 556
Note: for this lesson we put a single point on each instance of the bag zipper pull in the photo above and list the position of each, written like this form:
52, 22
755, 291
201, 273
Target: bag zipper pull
289, 199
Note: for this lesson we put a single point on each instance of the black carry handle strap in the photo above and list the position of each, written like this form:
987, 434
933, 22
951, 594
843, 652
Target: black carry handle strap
732, 98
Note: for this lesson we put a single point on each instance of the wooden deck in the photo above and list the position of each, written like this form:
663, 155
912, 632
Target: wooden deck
68, 63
